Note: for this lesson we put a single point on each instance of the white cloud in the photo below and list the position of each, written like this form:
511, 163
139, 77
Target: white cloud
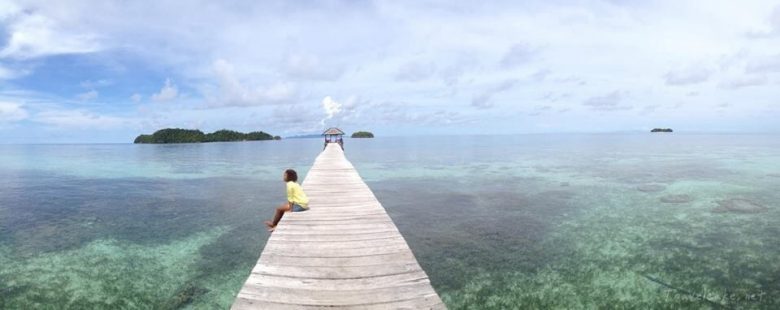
6, 73
774, 20
331, 108
79, 119
11, 112
167, 93
311, 67
398, 113
484, 99
90, 84
415, 71
33, 35
136, 97
745, 81
436, 56
232, 92
608, 102
773, 29
688, 76
89, 95
518, 54
765, 64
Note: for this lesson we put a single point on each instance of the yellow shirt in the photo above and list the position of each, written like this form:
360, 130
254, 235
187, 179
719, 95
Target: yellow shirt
296, 195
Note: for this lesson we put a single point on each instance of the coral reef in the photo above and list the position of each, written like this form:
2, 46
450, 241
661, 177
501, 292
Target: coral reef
739, 205
676, 198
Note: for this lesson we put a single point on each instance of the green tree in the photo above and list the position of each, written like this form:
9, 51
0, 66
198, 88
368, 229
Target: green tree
225, 135
362, 134
178, 135
258, 135
144, 139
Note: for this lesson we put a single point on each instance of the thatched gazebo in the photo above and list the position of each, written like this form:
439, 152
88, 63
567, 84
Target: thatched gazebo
334, 135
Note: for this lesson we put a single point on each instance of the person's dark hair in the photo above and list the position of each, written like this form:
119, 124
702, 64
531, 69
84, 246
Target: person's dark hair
290, 175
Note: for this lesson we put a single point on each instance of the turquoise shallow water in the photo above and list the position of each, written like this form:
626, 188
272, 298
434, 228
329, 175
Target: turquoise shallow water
539, 221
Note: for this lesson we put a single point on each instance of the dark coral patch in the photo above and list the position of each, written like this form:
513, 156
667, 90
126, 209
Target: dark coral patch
650, 188
676, 199
739, 205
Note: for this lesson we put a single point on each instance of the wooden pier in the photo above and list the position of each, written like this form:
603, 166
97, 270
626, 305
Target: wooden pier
345, 252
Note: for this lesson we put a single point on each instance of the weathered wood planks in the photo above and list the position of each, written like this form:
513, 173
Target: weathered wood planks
345, 252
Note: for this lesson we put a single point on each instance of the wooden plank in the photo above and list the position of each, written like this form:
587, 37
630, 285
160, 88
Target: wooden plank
321, 252
428, 302
340, 245
304, 240
345, 252
341, 284
365, 260
280, 237
315, 297
323, 217
282, 231
340, 224
336, 272
324, 227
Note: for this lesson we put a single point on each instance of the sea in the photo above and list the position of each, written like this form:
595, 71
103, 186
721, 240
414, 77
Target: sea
548, 221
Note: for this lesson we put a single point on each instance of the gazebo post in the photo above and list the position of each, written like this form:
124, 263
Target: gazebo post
332, 135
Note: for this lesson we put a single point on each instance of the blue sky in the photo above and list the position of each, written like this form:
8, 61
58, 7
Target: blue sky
105, 71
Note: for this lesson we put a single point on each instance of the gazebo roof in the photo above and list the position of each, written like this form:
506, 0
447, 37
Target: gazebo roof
333, 131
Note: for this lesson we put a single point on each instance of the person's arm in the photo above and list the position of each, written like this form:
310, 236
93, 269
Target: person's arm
289, 197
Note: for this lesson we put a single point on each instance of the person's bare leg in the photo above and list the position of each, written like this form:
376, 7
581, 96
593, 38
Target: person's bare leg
278, 216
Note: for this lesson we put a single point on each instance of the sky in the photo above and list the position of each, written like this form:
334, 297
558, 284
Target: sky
106, 71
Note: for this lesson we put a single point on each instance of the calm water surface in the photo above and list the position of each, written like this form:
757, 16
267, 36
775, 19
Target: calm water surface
539, 221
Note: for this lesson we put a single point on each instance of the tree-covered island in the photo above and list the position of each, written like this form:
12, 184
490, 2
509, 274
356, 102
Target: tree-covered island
661, 130
178, 135
362, 134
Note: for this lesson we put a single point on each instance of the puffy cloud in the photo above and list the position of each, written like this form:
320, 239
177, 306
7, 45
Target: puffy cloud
79, 119
446, 57
688, 76
518, 54
766, 64
348, 111
415, 71
310, 67
484, 99
32, 35
331, 107
232, 92
650, 108
96, 83
745, 81
555, 96
136, 97
89, 95
167, 93
342, 111
394, 113
6, 73
11, 112
460, 65
774, 20
608, 102
773, 23
540, 75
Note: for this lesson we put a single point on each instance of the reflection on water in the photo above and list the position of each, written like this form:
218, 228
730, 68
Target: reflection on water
563, 221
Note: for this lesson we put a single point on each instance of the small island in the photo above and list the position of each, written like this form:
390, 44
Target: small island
362, 134
661, 130
178, 135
